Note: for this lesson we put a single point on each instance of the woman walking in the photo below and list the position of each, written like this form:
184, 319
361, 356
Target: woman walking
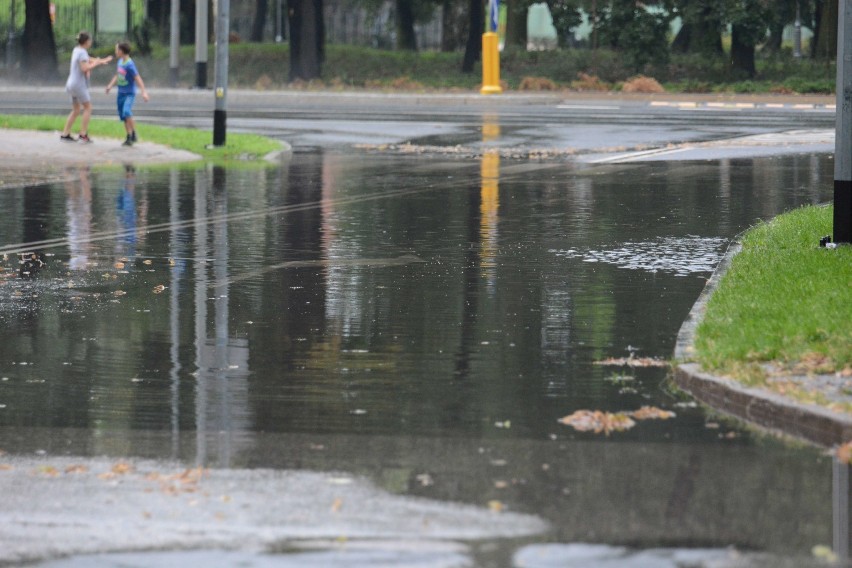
78, 87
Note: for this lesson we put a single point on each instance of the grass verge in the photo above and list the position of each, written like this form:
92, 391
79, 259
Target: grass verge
239, 147
784, 301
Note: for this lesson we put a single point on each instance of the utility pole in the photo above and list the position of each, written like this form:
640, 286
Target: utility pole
843, 134
174, 43
223, 14
201, 15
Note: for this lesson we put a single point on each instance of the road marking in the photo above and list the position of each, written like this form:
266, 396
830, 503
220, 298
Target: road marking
588, 107
631, 156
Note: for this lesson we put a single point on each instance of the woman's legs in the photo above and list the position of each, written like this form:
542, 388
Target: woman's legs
72, 116
87, 114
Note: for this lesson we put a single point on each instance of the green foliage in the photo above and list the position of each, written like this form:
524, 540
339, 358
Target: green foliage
641, 34
566, 16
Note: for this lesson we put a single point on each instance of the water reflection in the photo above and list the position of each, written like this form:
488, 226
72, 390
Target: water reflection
402, 316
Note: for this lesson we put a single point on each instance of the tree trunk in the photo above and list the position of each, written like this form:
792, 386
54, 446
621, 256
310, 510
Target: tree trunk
815, 25
39, 47
516, 24
476, 27
259, 24
450, 35
776, 37
306, 39
742, 54
826, 46
406, 40
681, 42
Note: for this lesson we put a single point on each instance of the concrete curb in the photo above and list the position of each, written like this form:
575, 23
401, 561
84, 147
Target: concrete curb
760, 407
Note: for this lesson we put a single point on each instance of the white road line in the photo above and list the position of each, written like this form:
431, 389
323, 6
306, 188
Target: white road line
588, 107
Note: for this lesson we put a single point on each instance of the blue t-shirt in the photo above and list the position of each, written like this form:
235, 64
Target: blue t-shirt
126, 77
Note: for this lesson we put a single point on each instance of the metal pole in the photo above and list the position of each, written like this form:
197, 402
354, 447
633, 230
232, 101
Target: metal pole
223, 14
843, 134
278, 25
201, 33
174, 43
797, 33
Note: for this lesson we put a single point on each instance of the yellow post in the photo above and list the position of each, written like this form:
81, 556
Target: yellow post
490, 64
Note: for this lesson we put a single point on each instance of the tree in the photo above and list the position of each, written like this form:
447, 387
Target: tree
39, 46
259, 23
701, 32
641, 35
566, 16
749, 21
825, 36
406, 39
307, 39
516, 23
476, 26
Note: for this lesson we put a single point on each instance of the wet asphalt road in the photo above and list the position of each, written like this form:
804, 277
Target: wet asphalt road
585, 121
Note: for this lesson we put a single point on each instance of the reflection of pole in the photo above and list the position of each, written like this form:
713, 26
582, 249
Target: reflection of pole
201, 43
843, 134
174, 43
222, 31
489, 203
200, 317
840, 509
174, 311
220, 272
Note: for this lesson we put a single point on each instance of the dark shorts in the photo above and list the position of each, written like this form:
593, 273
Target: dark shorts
125, 105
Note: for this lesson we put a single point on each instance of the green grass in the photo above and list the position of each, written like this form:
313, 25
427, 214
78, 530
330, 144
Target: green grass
784, 299
238, 147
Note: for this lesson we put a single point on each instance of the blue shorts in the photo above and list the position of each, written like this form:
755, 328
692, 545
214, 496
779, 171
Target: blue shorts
125, 105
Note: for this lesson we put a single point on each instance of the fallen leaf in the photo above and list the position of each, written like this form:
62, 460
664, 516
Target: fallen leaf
597, 421
633, 362
425, 479
146, 261
119, 265
500, 485
652, 413
48, 470
337, 505
495, 506
76, 469
119, 293
121, 468
172, 262
159, 288
6, 467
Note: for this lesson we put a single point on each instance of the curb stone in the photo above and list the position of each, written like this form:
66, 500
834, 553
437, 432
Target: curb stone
766, 409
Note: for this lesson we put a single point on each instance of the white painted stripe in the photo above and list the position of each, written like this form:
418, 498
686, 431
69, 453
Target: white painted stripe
588, 107
659, 104
745, 105
774, 105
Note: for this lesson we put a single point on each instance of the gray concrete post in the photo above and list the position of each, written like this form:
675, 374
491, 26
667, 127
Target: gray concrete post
843, 135
840, 510
174, 43
223, 15
201, 33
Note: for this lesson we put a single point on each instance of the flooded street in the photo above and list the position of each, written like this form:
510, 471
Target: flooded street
421, 322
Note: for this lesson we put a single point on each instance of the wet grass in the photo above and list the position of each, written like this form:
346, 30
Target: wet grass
238, 147
785, 300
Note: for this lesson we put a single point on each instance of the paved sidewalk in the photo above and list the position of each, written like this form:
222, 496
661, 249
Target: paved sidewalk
27, 149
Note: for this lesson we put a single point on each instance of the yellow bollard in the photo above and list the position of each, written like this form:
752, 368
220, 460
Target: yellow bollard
490, 64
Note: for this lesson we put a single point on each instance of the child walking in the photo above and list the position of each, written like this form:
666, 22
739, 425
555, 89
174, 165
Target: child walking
77, 86
128, 78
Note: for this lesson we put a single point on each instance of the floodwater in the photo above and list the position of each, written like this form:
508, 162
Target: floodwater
421, 321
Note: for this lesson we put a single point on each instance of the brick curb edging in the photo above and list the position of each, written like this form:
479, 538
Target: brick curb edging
763, 408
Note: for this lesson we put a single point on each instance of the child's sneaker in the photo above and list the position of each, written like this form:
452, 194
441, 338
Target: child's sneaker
67, 138
133, 137
128, 142
84, 138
